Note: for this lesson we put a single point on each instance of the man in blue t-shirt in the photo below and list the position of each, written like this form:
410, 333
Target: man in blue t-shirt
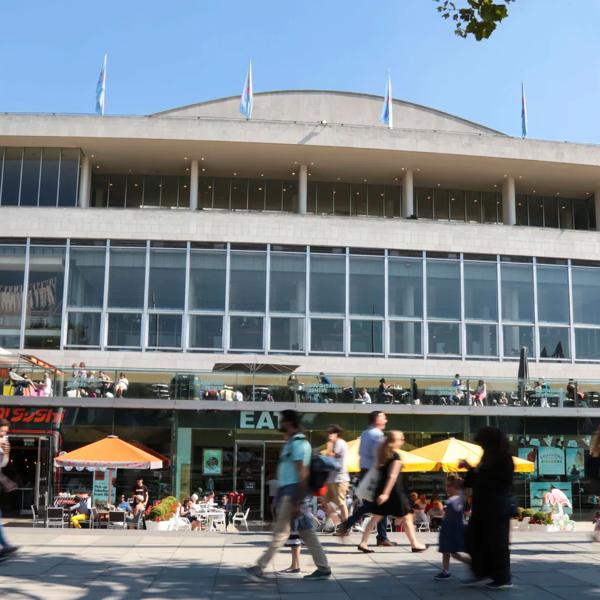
293, 471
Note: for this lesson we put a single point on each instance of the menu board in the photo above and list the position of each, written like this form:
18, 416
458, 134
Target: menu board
551, 461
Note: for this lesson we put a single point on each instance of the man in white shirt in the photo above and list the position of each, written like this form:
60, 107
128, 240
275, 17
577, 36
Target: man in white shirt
83, 509
365, 396
337, 490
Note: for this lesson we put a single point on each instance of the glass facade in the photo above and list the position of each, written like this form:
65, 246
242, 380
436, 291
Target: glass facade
458, 205
208, 297
556, 212
39, 176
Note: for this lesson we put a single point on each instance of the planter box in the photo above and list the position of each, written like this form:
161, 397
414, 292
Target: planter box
160, 526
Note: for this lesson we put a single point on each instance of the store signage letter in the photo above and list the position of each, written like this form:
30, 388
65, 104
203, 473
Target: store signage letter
259, 420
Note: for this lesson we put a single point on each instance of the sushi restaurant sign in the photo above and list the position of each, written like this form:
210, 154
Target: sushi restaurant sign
250, 419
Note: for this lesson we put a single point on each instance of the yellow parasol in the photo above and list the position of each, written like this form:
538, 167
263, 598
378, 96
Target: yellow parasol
410, 462
447, 455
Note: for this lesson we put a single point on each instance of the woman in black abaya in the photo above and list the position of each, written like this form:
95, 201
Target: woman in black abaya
488, 530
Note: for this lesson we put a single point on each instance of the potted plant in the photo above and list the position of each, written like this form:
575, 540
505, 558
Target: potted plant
159, 516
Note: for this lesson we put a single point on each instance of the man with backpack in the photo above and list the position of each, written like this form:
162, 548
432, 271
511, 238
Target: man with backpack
293, 475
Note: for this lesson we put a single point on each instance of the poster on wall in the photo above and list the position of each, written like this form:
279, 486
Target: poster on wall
103, 486
575, 458
530, 454
551, 461
212, 461
538, 489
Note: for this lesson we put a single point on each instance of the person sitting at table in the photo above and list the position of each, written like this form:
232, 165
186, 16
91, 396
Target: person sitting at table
137, 510
365, 398
123, 504
82, 510
323, 379
228, 507
435, 514
121, 386
185, 511
383, 393
105, 383
571, 389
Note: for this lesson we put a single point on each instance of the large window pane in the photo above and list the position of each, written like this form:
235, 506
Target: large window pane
69, 172
135, 191
12, 264
536, 211
183, 192
491, 204
581, 213
44, 297
424, 203
550, 212
289, 193
169, 190
473, 200
587, 344
367, 285
221, 193
393, 201
566, 213
287, 335
441, 204
553, 294
167, 279
586, 295
126, 278
405, 287
288, 283
405, 337
444, 338
325, 198
327, 283
205, 192
376, 200
327, 335
117, 187
246, 333
481, 291
482, 340
359, 199
83, 329
554, 342
164, 331
49, 180
366, 337
342, 199
239, 194
206, 331
11, 176
517, 292
152, 188
457, 205
443, 289
274, 195
30, 177
256, 195
522, 211
207, 280
515, 337
86, 277
247, 281
124, 330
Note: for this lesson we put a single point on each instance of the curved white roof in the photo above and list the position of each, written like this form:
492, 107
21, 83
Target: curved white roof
343, 108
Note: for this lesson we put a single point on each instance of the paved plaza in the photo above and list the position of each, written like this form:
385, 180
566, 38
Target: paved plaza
70, 564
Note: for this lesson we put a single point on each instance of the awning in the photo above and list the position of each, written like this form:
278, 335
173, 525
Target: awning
254, 368
109, 453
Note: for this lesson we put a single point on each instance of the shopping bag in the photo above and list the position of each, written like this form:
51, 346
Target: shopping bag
368, 485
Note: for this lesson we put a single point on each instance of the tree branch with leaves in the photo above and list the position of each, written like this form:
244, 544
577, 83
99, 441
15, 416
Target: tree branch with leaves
478, 18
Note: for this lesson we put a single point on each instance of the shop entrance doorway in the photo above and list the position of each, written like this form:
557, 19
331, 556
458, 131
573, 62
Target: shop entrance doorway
254, 464
30, 467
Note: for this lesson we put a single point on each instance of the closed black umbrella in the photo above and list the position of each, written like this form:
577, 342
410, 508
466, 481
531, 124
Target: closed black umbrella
523, 374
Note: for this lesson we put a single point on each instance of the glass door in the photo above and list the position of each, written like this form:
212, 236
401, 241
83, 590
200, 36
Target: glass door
249, 475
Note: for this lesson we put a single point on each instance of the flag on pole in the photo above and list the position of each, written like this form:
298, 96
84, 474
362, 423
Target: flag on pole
387, 117
101, 89
247, 95
523, 112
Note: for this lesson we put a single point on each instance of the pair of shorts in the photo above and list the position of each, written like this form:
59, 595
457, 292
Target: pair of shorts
337, 492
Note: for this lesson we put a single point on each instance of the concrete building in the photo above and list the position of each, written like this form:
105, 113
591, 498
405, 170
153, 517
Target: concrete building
309, 236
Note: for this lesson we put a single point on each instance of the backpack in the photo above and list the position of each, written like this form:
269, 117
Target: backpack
322, 468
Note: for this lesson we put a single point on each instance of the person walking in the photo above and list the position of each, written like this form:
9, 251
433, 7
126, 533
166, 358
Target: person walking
337, 490
487, 536
390, 497
6, 484
452, 532
370, 440
293, 471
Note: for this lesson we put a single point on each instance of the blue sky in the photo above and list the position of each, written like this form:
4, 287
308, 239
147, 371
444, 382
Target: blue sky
166, 54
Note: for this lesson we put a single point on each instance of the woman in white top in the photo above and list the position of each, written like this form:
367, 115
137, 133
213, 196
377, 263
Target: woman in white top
47, 385
121, 385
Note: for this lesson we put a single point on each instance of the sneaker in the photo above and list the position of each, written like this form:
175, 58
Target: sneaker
442, 576
494, 585
8, 550
319, 574
255, 574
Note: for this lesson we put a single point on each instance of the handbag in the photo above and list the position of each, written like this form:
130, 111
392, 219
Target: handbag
367, 487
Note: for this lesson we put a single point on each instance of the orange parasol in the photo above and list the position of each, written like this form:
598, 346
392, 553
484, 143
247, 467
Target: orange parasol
109, 453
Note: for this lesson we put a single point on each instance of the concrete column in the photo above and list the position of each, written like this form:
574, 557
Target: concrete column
509, 207
85, 176
194, 185
597, 208
302, 189
408, 200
